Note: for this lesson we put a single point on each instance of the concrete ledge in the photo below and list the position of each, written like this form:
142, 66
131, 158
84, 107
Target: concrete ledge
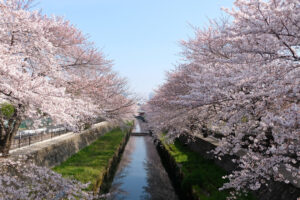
174, 171
50, 153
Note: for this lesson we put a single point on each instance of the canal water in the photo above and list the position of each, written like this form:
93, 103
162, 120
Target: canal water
140, 174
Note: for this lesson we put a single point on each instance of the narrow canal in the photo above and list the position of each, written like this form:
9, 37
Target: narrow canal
140, 174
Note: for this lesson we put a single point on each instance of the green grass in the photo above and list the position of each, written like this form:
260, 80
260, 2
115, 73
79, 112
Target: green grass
201, 174
130, 123
90, 163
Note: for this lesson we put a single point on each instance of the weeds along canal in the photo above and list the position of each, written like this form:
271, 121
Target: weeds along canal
140, 174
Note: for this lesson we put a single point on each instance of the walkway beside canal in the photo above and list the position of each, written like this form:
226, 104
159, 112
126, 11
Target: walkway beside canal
52, 152
45, 143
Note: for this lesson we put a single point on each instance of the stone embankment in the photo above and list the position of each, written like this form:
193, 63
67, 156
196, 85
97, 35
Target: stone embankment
50, 153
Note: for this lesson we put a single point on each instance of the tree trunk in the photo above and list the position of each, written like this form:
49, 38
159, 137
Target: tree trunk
10, 133
5, 149
2, 136
1, 145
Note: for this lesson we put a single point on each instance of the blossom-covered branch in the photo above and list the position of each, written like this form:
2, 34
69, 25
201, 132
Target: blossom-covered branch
241, 79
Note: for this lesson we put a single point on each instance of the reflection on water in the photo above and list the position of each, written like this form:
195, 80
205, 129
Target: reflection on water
131, 175
137, 128
140, 174
159, 185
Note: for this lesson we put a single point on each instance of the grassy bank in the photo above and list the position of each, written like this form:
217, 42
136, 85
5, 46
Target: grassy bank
200, 174
91, 162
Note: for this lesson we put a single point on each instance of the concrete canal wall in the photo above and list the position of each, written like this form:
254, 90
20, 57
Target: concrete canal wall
53, 152
175, 173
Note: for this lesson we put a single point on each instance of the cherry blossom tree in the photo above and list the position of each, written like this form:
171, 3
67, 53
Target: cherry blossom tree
242, 82
50, 69
21, 180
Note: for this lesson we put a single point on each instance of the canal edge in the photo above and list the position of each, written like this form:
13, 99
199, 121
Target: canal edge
103, 184
174, 172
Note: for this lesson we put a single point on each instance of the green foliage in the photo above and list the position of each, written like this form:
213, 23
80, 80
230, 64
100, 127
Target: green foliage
90, 163
244, 119
202, 175
7, 110
87, 126
130, 123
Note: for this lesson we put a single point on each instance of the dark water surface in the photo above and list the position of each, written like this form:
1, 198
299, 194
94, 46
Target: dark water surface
140, 174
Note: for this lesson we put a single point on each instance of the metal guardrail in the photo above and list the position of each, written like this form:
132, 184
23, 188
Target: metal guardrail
29, 137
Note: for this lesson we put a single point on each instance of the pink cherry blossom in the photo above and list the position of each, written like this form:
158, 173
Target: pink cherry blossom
240, 84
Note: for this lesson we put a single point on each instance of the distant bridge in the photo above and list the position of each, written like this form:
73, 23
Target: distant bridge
140, 134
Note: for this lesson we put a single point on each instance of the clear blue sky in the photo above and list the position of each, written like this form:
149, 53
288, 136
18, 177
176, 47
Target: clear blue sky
140, 36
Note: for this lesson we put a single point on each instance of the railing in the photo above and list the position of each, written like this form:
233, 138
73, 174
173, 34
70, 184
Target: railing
29, 137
